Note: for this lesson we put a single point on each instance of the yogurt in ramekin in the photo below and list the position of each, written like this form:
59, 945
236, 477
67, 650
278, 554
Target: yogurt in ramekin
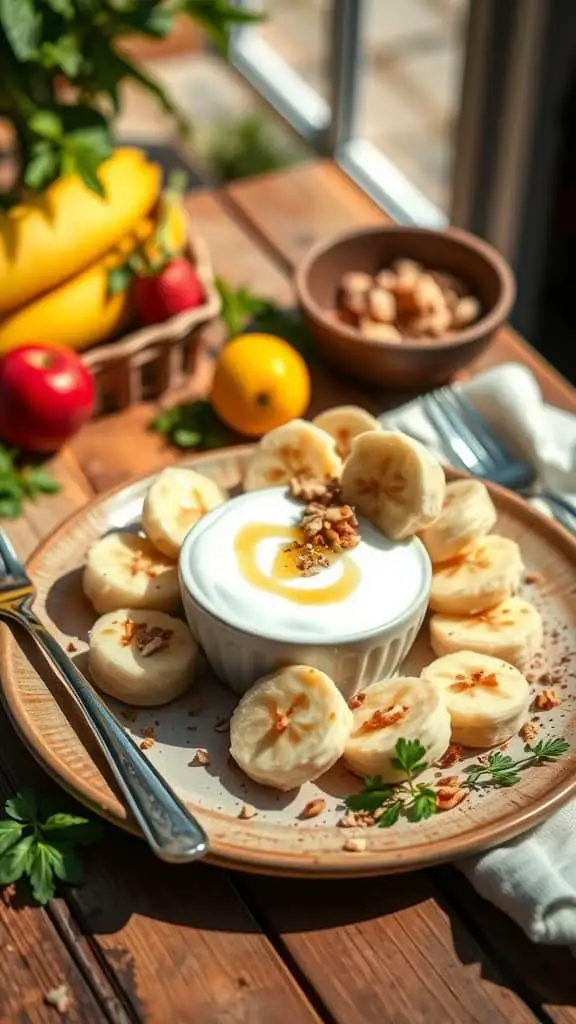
251, 610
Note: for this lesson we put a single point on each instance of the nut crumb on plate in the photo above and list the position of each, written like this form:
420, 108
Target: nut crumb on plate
71, 647
448, 797
201, 757
147, 743
452, 755
528, 732
546, 700
247, 811
356, 701
313, 808
355, 844
59, 998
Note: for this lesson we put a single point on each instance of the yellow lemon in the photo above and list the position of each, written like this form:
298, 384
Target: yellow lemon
260, 383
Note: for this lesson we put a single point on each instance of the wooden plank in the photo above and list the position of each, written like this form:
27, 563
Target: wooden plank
292, 210
382, 951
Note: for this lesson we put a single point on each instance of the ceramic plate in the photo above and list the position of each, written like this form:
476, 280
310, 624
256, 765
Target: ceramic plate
277, 839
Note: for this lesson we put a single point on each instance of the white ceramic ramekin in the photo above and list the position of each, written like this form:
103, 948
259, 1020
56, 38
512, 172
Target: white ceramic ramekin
239, 657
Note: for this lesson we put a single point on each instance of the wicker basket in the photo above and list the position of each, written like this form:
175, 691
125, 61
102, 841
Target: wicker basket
146, 363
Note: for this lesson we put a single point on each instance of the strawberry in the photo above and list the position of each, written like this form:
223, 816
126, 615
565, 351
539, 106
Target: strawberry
173, 289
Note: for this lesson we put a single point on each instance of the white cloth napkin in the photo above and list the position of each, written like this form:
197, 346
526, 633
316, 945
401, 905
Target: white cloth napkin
533, 878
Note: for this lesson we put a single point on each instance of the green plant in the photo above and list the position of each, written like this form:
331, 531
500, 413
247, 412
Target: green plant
19, 481
39, 843
245, 147
45, 43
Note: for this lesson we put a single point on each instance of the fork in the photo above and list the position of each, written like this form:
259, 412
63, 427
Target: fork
172, 832
473, 446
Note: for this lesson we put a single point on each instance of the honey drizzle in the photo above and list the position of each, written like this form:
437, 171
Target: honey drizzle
285, 566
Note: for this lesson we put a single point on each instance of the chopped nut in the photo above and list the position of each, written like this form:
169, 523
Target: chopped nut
546, 700
71, 647
356, 701
222, 725
281, 721
449, 780
384, 717
201, 757
467, 311
356, 281
448, 797
381, 305
355, 844
59, 998
313, 808
247, 811
528, 732
147, 743
452, 755
358, 819
128, 632
375, 331
386, 279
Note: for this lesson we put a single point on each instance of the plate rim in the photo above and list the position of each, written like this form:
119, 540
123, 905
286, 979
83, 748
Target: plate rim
337, 864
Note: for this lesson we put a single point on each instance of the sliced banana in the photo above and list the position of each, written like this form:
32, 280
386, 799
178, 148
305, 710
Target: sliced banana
402, 708
487, 698
344, 423
290, 727
141, 657
468, 512
486, 573
395, 482
124, 570
512, 631
297, 449
177, 499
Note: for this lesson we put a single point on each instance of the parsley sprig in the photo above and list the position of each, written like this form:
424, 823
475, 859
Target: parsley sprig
245, 311
418, 801
18, 481
502, 770
411, 800
39, 843
192, 425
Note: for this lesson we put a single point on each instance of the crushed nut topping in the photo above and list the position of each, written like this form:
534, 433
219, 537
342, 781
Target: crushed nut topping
247, 811
128, 632
546, 700
147, 743
448, 797
528, 732
59, 998
357, 819
281, 721
356, 701
487, 680
313, 808
148, 641
355, 844
201, 757
327, 524
326, 492
383, 717
452, 755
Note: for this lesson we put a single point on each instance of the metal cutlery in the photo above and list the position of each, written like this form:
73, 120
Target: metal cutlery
171, 830
472, 445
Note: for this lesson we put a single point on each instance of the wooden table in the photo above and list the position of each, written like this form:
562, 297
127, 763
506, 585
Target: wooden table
144, 942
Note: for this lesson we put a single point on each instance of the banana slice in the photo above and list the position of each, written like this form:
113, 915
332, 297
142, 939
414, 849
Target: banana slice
403, 708
468, 512
487, 698
141, 657
344, 423
511, 631
123, 569
394, 481
486, 573
177, 499
290, 727
295, 450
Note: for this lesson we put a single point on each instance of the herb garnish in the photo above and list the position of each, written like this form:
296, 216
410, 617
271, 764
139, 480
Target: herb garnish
244, 311
38, 843
418, 801
18, 482
192, 425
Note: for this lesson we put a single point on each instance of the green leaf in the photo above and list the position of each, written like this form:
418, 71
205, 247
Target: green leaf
184, 438
71, 829
41, 873
409, 754
423, 805
63, 7
390, 815
10, 833
15, 861
10, 507
239, 306
218, 16
64, 54
549, 750
22, 25
369, 800
43, 166
22, 806
119, 279
498, 761
374, 782
37, 480
65, 863
6, 462
47, 124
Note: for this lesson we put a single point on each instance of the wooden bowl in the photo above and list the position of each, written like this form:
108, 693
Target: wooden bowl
411, 363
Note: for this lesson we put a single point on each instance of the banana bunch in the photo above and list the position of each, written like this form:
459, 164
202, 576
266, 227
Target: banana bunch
132, 582
57, 250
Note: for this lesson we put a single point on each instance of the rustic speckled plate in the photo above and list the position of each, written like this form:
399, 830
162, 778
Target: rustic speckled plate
277, 840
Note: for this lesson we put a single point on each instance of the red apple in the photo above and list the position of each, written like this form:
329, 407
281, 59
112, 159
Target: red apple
46, 394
